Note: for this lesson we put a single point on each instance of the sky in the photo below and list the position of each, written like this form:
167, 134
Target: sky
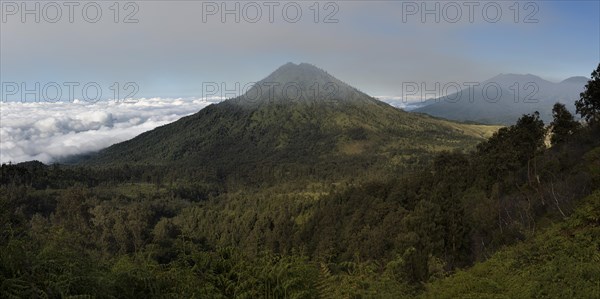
169, 50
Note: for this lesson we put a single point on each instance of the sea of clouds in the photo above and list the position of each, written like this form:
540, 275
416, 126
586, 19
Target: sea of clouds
48, 132
405, 103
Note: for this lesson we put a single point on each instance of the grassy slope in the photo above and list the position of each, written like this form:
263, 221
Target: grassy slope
561, 262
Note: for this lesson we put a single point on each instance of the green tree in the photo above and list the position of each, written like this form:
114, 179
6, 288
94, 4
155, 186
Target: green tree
563, 125
511, 147
588, 106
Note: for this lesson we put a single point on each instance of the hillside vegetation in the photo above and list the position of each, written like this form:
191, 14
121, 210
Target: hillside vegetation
560, 262
510, 218
69, 231
331, 137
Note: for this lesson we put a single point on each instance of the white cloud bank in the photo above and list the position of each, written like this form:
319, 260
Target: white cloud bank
50, 131
408, 103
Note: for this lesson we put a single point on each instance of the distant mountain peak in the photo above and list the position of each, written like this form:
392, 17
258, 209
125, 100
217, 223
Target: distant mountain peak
511, 77
246, 136
576, 79
288, 67
291, 72
300, 82
299, 65
519, 94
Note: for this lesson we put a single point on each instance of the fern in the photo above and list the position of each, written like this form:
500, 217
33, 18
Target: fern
325, 284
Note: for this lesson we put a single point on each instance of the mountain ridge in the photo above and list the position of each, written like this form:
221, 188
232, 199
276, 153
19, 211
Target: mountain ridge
335, 134
301, 82
506, 98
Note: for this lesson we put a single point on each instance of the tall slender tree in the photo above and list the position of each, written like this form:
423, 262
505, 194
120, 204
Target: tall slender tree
563, 125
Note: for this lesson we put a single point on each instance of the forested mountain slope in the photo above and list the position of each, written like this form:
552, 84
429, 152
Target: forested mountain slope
318, 127
563, 261
511, 218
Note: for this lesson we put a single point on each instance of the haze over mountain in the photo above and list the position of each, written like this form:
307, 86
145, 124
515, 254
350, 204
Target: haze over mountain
298, 117
518, 95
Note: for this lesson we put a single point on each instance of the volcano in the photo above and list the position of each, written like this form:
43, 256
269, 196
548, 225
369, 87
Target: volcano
298, 121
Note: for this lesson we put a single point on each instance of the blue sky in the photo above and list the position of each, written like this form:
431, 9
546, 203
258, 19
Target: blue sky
171, 51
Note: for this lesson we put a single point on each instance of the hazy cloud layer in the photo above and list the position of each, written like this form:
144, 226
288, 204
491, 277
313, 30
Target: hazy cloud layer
374, 46
50, 131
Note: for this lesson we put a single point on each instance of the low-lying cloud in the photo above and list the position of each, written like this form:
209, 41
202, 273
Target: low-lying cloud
50, 131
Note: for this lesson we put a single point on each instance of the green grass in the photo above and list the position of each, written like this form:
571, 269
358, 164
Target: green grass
561, 262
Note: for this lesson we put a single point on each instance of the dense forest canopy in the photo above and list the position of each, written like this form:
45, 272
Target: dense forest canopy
512, 217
